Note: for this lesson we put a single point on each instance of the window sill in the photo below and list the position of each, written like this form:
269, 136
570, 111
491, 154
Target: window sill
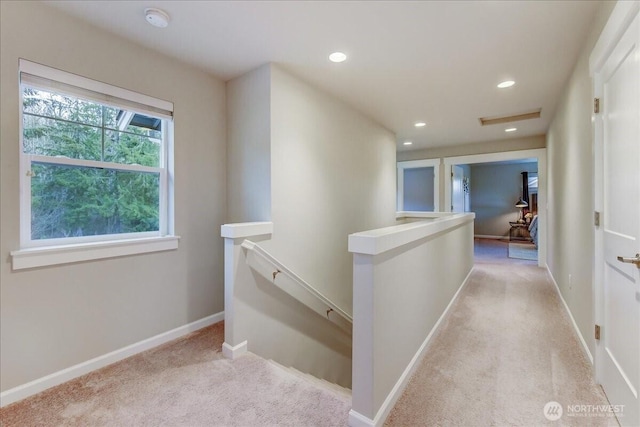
54, 255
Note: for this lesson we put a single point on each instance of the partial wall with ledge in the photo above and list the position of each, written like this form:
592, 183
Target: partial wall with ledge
405, 279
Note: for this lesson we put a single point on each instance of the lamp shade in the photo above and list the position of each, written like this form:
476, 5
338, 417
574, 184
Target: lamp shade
521, 204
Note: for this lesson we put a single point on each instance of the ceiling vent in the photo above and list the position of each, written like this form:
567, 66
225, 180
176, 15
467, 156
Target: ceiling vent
486, 121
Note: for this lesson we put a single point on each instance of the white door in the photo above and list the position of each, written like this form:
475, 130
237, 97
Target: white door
618, 352
457, 191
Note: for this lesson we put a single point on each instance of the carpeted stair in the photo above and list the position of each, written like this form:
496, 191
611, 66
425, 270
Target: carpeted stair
318, 382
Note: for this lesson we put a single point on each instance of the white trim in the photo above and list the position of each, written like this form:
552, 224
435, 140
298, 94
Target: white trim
358, 420
414, 164
107, 94
68, 374
234, 351
540, 154
619, 20
246, 229
585, 347
64, 254
375, 242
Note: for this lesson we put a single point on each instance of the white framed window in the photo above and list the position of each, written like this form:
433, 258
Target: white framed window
418, 185
94, 163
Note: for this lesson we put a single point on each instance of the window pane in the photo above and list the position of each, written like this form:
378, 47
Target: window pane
418, 189
130, 148
49, 137
54, 105
71, 201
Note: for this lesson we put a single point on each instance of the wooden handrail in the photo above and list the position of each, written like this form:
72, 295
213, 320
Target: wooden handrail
275, 272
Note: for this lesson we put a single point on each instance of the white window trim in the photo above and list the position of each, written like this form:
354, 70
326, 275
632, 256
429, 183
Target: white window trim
415, 164
65, 254
34, 254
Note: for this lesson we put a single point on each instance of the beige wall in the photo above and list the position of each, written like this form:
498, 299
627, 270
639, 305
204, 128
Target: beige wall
571, 203
325, 171
249, 146
55, 317
332, 173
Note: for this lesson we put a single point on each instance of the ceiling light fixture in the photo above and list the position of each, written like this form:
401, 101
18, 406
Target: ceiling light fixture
337, 57
407, 143
156, 17
506, 84
420, 124
511, 130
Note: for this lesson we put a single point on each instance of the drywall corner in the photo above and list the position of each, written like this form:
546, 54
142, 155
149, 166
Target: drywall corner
249, 146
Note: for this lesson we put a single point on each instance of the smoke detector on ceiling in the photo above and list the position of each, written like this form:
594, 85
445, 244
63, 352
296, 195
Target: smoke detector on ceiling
156, 17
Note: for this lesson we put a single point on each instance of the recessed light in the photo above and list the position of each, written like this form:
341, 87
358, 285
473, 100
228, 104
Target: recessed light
420, 124
511, 129
506, 84
337, 57
156, 17
407, 143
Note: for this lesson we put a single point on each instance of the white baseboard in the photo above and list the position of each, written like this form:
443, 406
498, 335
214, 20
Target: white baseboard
233, 352
36, 386
585, 347
489, 236
358, 420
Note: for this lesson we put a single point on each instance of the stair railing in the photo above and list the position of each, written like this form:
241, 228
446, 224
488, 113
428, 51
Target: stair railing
282, 277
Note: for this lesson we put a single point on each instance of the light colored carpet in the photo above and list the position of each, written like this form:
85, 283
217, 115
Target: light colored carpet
493, 251
523, 251
505, 350
184, 383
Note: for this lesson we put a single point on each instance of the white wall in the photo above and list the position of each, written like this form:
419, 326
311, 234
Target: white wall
494, 192
332, 173
571, 203
55, 317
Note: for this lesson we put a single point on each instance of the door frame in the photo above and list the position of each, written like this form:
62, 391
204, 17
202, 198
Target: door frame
619, 20
540, 154
464, 204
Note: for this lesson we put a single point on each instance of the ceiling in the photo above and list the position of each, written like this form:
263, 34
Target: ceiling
408, 61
